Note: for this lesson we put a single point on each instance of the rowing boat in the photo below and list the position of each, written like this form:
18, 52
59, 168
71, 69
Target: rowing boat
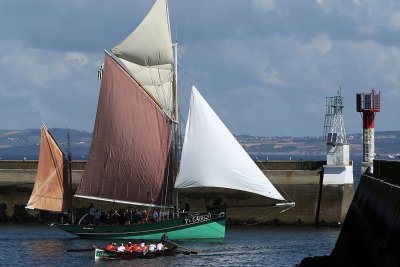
101, 254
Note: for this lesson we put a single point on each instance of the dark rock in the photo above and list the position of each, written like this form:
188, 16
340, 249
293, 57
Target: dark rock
326, 261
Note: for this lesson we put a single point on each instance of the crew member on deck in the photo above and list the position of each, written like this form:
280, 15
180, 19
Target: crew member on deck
92, 212
155, 216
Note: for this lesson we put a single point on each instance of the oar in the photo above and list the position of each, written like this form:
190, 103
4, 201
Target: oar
190, 251
81, 249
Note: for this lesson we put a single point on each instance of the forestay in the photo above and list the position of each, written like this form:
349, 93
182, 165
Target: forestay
212, 157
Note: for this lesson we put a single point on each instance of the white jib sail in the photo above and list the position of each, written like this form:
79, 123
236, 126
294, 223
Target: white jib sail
212, 157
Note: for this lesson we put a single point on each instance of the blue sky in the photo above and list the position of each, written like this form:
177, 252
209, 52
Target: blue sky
265, 66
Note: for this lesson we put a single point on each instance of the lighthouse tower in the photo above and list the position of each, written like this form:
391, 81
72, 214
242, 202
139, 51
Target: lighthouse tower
338, 168
368, 104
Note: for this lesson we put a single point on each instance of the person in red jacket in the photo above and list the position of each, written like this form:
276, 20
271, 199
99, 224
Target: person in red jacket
135, 247
144, 248
109, 246
128, 247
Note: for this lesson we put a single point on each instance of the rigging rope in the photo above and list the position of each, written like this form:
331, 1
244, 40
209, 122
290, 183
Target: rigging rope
276, 184
265, 218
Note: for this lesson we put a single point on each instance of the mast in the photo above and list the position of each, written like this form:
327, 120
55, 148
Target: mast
176, 125
69, 162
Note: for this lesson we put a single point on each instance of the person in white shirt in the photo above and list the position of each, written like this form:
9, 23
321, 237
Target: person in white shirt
121, 248
160, 246
152, 247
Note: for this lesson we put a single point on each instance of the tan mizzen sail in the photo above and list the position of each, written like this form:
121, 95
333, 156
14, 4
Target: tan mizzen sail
49, 189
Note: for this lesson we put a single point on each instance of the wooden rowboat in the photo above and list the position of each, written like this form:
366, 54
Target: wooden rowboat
101, 254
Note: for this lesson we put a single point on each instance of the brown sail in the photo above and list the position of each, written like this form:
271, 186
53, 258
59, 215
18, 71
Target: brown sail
130, 144
49, 189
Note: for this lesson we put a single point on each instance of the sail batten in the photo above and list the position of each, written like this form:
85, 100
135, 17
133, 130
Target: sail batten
49, 189
212, 157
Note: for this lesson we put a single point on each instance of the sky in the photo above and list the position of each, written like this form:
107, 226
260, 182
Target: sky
264, 66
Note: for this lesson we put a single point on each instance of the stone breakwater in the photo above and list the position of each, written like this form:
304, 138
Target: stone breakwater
298, 181
371, 231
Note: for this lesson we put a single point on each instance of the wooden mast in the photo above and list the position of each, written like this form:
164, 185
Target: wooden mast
69, 162
176, 126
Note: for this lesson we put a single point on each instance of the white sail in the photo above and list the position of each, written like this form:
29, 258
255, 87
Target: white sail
212, 157
147, 54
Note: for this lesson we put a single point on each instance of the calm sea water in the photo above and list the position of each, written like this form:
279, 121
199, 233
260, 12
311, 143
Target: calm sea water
26, 245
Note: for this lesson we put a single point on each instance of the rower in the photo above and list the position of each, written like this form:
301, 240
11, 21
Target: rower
160, 246
135, 247
144, 248
121, 248
109, 246
152, 246
128, 247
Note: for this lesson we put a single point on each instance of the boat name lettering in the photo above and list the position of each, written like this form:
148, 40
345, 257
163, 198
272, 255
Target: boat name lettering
198, 218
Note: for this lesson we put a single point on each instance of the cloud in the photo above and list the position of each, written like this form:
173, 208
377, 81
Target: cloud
80, 58
271, 76
250, 59
394, 21
34, 67
268, 5
370, 17
44, 84
320, 43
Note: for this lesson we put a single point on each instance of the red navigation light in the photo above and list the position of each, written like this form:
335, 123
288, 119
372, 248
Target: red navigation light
370, 102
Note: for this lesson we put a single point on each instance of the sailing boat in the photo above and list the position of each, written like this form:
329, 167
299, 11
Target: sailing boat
134, 143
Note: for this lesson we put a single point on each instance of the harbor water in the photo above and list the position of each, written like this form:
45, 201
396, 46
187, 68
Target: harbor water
40, 245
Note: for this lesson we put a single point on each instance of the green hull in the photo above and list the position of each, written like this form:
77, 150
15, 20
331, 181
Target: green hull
202, 226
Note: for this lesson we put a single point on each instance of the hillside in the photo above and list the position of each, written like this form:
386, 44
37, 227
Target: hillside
24, 144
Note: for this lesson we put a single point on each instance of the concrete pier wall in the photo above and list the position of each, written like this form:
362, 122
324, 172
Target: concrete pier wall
371, 231
298, 181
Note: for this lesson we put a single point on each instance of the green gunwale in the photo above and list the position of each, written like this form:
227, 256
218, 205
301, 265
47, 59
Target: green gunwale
177, 229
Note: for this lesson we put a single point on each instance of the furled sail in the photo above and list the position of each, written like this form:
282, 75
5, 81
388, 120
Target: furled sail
212, 157
147, 54
49, 189
131, 140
